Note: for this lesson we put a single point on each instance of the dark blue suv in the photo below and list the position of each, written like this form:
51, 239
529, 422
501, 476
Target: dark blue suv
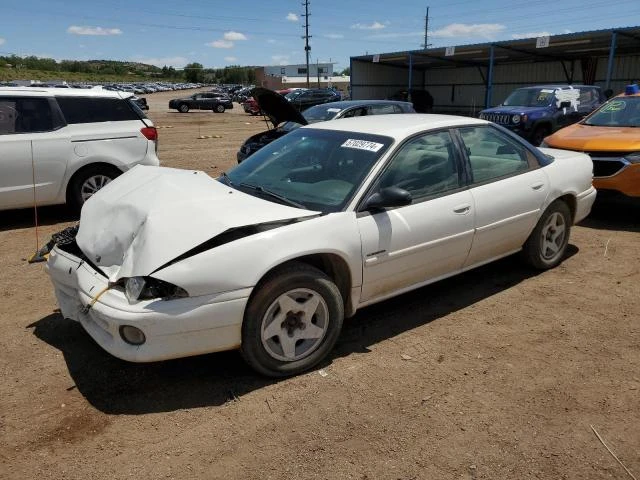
536, 112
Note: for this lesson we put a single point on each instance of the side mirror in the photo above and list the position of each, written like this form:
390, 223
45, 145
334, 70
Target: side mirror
387, 198
565, 105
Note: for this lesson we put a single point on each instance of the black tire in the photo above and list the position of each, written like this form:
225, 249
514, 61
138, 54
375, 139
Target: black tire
219, 108
539, 134
183, 108
541, 250
294, 279
77, 190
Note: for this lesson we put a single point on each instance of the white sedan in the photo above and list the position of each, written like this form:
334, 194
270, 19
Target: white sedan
272, 256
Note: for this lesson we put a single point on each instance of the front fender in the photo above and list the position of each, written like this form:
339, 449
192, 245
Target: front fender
242, 263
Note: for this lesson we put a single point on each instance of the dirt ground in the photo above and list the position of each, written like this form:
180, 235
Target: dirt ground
495, 374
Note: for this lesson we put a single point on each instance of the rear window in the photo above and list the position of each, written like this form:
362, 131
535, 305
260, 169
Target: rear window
93, 110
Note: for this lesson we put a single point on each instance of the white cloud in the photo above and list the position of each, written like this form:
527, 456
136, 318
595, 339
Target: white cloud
272, 41
233, 36
78, 30
292, 17
485, 30
373, 26
280, 59
230, 59
177, 61
334, 36
2, 40
220, 44
517, 36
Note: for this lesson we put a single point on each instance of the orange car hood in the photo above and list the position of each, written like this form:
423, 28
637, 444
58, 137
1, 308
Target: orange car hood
589, 138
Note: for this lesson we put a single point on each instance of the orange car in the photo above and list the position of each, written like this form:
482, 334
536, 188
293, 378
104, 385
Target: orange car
611, 136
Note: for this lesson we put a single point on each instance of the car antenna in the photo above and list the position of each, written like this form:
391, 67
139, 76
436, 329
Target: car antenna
37, 256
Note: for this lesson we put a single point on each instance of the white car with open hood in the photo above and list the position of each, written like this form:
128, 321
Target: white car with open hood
270, 257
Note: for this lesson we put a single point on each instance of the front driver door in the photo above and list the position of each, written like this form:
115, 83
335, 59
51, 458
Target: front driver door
409, 246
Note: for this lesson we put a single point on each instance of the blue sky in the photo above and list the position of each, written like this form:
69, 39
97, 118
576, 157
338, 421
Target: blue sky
258, 32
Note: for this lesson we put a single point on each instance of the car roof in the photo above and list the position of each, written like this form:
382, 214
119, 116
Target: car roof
342, 104
62, 92
560, 86
397, 126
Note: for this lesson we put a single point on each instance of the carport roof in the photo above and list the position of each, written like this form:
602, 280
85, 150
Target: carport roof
568, 46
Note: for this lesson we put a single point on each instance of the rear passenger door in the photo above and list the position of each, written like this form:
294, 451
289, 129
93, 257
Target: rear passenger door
428, 239
508, 189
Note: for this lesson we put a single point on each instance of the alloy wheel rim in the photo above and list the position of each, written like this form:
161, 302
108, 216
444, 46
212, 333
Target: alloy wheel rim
92, 184
553, 237
294, 325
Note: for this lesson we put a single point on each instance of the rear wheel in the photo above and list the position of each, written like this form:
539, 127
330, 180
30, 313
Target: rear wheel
292, 321
87, 182
183, 108
547, 244
219, 108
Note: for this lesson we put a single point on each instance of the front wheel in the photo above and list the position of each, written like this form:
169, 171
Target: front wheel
539, 134
219, 108
547, 244
292, 322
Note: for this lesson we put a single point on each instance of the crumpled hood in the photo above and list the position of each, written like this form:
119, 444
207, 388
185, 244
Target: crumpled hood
276, 107
151, 215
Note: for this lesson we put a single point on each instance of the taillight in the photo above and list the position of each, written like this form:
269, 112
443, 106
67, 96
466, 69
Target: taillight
150, 133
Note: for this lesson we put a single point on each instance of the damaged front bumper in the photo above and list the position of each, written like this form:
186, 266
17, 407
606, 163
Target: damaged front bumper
172, 328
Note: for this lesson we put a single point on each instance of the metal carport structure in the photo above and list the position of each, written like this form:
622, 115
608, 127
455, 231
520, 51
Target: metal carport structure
464, 79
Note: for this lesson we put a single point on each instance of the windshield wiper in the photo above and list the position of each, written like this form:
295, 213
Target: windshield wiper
226, 178
269, 193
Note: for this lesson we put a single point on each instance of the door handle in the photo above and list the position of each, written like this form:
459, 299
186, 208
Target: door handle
537, 186
462, 209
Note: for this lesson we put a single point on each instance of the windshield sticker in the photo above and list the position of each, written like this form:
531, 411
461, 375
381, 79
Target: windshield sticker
544, 95
333, 110
546, 90
362, 145
570, 95
614, 106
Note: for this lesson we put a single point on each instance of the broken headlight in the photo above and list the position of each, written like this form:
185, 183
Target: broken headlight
147, 288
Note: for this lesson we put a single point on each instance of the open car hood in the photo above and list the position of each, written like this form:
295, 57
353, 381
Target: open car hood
149, 216
276, 107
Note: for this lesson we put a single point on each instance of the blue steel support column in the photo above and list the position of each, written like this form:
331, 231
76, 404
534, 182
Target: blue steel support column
350, 78
410, 77
487, 98
612, 54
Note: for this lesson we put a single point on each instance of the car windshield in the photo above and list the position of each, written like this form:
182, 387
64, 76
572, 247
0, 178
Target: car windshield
617, 112
530, 97
321, 113
294, 94
318, 169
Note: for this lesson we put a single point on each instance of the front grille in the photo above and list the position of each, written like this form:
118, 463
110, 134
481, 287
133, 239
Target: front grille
500, 118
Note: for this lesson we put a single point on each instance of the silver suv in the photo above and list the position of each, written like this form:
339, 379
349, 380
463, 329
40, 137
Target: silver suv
61, 145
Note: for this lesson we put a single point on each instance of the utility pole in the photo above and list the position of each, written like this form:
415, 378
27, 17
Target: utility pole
426, 43
306, 37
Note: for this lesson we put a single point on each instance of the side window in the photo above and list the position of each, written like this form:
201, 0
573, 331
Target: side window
424, 166
25, 115
356, 112
493, 154
92, 110
8, 116
382, 109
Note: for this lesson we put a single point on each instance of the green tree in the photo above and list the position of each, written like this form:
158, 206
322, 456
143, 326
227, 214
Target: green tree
193, 72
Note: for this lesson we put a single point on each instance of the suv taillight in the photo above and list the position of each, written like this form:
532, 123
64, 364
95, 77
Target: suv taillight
150, 133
